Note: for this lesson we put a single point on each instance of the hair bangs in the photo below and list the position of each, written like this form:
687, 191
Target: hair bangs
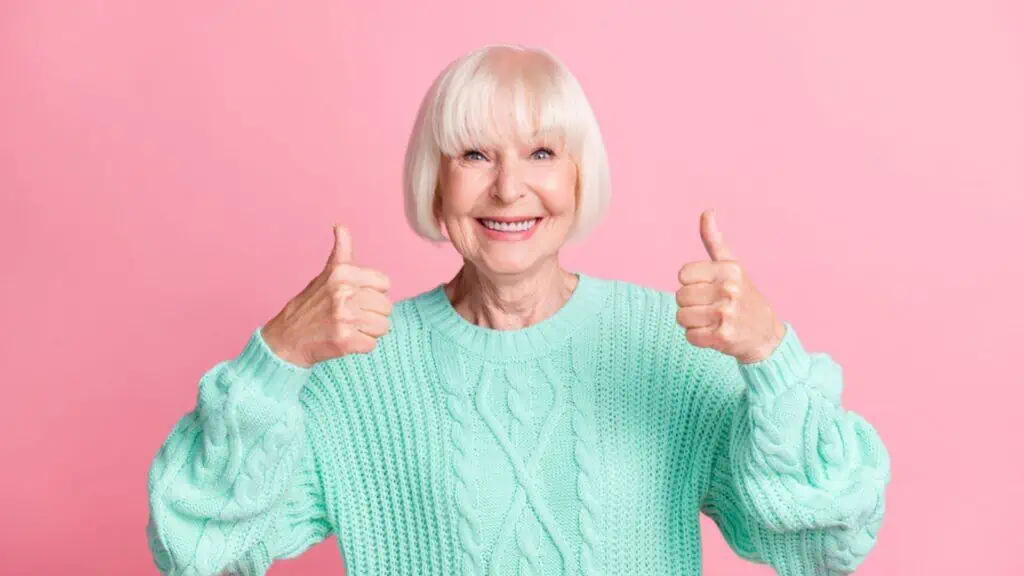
483, 107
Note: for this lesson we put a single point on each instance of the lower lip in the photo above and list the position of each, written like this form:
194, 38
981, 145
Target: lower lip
509, 236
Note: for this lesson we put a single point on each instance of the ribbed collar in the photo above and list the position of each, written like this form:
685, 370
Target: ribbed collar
586, 301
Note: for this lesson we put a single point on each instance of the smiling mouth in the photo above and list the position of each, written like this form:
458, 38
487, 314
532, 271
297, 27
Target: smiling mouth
509, 225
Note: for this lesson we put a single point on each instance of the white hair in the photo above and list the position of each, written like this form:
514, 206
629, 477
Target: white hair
459, 113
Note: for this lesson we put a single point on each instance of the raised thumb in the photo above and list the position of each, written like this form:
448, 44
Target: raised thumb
712, 237
342, 251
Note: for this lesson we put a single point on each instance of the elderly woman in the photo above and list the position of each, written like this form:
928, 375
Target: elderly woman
520, 418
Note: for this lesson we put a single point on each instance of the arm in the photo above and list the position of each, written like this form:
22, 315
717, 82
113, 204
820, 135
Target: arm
797, 481
234, 485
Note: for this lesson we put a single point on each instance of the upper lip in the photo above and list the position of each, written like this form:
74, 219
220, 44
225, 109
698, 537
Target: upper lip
509, 218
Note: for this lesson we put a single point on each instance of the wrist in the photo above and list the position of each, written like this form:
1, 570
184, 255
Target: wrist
262, 367
788, 365
768, 348
280, 347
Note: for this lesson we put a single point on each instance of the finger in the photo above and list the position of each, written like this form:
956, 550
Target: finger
701, 337
372, 323
366, 278
698, 294
710, 271
373, 301
359, 343
359, 277
707, 316
712, 237
342, 251
700, 271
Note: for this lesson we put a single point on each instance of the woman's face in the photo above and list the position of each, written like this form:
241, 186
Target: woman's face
508, 209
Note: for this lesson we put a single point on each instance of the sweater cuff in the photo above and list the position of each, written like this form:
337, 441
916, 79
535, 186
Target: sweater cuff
789, 364
276, 377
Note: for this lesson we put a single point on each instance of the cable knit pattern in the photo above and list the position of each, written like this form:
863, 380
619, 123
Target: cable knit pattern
519, 433
459, 406
799, 463
583, 425
585, 444
229, 466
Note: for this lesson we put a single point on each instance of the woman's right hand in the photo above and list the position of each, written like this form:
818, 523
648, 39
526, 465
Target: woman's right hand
342, 311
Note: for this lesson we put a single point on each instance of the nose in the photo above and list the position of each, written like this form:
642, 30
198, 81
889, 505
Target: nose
508, 186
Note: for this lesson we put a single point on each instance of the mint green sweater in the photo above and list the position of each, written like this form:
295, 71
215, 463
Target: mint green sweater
585, 444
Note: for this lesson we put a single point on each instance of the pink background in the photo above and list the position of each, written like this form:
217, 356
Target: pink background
169, 173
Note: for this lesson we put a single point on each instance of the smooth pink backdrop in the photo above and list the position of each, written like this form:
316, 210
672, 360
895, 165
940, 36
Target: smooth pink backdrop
169, 173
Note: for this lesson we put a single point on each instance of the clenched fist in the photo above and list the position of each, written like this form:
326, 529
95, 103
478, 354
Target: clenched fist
342, 311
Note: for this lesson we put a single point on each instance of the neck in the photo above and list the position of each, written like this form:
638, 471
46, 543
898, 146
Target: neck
510, 302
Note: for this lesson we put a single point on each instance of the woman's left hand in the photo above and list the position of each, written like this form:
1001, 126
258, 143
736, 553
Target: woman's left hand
719, 306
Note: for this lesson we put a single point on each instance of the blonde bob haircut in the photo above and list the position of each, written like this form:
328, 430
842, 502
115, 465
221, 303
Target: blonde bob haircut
463, 111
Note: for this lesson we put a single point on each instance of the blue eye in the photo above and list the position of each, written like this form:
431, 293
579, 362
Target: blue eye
474, 155
546, 152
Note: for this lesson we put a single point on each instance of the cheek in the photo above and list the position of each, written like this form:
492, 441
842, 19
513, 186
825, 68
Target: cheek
557, 189
460, 191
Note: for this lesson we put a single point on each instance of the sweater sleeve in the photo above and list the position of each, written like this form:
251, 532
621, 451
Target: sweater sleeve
234, 486
797, 482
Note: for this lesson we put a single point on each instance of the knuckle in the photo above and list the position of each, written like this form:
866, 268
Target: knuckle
365, 345
725, 331
342, 271
342, 332
726, 310
342, 292
733, 270
336, 309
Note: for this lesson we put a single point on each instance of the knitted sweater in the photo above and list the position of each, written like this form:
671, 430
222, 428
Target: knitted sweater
585, 444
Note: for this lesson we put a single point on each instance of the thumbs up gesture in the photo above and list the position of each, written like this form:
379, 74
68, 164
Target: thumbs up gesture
719, 306
343, 310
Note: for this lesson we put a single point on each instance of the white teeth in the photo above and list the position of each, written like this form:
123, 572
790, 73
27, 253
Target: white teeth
520, 226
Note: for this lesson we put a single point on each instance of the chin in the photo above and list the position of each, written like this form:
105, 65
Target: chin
506, 265
506, 269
